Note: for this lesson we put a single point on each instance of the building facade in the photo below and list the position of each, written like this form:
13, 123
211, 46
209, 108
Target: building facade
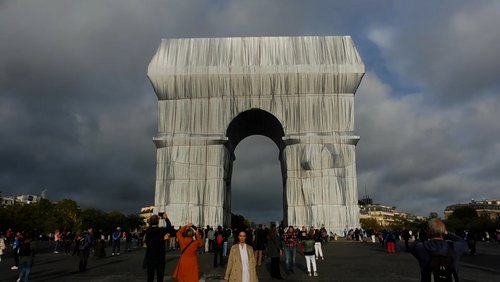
490, 208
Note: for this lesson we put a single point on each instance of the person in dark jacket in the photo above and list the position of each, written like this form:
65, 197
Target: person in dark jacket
154, 260
274, 251
437, 245
26, 256
85, 243
218, 248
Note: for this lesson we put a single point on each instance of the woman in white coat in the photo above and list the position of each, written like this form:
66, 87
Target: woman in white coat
241, 266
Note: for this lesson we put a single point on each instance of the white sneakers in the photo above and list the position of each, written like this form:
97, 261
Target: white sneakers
315, 274
14, 267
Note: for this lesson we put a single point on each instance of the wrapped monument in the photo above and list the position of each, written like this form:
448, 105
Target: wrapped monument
298, 91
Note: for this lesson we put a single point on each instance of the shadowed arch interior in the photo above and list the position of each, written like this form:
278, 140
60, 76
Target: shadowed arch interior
255, 122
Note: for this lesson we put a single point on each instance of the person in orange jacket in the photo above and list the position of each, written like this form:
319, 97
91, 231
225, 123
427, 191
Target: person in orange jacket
187, 269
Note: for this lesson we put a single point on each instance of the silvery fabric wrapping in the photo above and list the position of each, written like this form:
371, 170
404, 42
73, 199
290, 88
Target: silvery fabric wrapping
306, 83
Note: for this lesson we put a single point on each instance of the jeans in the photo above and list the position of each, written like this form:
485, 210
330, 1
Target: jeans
224, 249
25, 271
116, 246
290, 258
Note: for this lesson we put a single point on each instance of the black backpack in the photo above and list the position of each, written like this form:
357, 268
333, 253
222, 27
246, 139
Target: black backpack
442, 266
25, 249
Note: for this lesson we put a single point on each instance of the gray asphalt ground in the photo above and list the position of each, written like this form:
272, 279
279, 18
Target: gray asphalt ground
344, 261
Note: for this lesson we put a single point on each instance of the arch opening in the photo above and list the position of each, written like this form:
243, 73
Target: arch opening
256, 183
250, 123
255, 122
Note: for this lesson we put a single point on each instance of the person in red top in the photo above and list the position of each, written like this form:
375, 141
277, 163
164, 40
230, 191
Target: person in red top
187, 269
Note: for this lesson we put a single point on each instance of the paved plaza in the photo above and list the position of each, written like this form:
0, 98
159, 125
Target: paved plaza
344, 261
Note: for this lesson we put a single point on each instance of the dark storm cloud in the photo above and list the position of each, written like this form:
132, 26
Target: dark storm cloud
451, 53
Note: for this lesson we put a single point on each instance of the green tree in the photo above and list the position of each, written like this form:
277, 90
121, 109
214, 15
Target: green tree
462, 218
114, 219
67, 214
239, 222
133, 222
44, 216
95, 218
370, 224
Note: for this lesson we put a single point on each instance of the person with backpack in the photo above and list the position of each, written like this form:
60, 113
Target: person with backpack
218, 245
84, 244
26, 257
439, 256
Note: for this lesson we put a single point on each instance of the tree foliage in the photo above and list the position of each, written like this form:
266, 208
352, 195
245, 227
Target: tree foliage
370, 224
466, 218
45, 217
239, 222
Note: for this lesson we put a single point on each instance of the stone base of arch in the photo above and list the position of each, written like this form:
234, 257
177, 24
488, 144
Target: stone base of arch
193, 182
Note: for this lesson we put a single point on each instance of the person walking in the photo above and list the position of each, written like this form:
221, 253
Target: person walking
128, 240
85, 243
391, 242
442, 244
274, 251
309, 253
187, 269
26, 257
241, 266
318, 248
226, 234
58, 241
218, 247
15, 250
154, 260
405, 234
260, 241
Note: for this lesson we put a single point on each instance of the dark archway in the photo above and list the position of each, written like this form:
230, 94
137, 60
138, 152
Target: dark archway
255, 122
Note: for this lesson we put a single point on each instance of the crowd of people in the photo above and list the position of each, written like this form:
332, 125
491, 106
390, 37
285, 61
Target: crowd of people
22, 244
252, 246
240, 252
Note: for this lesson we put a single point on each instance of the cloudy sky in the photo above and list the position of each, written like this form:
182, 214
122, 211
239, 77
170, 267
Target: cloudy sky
77, 113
